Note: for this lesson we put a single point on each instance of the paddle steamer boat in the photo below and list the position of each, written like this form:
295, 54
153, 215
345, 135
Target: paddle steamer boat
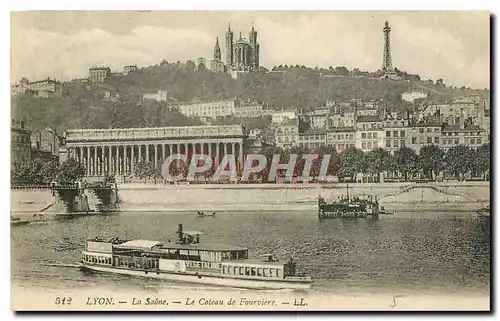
189, 260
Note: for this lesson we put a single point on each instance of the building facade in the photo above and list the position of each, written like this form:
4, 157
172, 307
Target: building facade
99, 74
41, 88
423, 135
472, 136
287, 134
45, 140
201, 61
161, 95
118, 151
20, 142
212, 109
282, 116
341, 138
369, 139
313, 139
249, 110
411, 96
318, 118
241, 54
130, 68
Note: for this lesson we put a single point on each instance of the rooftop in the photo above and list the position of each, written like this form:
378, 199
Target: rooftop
141, 244
315, 131
455, 128
368, 119
342, 129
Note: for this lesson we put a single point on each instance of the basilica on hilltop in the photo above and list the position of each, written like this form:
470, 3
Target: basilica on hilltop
241, 55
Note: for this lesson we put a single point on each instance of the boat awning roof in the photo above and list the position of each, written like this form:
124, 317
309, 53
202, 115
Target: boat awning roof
204, 247
142, 244
193, 233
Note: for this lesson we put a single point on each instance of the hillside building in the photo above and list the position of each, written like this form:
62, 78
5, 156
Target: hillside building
99, 74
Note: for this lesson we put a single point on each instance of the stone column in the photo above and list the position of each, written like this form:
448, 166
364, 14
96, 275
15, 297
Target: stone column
140, 154
241, 156
110, 159
201, 148
217, 154
117, 161
164, 151
126, 161
155, 163
132, 159
87, 165
98, 161
147, 153
95, 161
225, 149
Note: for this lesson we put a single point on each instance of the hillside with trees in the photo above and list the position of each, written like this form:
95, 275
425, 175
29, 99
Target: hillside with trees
297, 87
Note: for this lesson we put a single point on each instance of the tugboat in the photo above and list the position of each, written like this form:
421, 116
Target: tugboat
189, 260
347, 207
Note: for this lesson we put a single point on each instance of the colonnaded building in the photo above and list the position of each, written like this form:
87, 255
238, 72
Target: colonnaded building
117, 151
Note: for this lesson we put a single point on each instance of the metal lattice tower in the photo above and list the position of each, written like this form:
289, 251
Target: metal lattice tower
387, 62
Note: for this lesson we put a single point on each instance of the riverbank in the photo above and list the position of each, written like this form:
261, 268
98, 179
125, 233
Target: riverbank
442, 196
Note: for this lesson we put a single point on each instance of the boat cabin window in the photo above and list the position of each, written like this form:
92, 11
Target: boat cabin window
268, 258
253, 271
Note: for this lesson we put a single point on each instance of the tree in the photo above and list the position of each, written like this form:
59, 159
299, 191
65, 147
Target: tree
405, 161
352, 162
70, 171
201, 67
26, 173
378, 161
190, 65
459, 160
483, 159
333, 164
431, 160
49, 171
145, 170
342, 71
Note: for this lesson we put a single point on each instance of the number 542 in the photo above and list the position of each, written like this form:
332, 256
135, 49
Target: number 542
63, 300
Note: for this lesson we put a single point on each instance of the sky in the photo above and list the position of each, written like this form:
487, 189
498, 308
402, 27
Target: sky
453, 46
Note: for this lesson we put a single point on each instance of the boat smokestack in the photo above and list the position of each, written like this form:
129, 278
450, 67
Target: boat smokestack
180, 234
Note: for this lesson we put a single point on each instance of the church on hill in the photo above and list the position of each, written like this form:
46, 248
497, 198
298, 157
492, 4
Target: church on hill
241, 55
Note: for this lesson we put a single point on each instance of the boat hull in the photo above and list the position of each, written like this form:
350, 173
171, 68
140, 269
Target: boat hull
205, 279
74, 214
19, 223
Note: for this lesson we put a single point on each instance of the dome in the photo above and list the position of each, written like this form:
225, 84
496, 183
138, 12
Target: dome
240, 42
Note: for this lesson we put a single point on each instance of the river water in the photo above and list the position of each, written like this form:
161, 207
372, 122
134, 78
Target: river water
408, 252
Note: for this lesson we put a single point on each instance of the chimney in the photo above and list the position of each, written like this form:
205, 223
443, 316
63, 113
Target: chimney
180, 234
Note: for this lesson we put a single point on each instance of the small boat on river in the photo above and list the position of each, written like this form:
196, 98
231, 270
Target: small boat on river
202, 214
351, 207
485, 211
16, 221
189, 260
